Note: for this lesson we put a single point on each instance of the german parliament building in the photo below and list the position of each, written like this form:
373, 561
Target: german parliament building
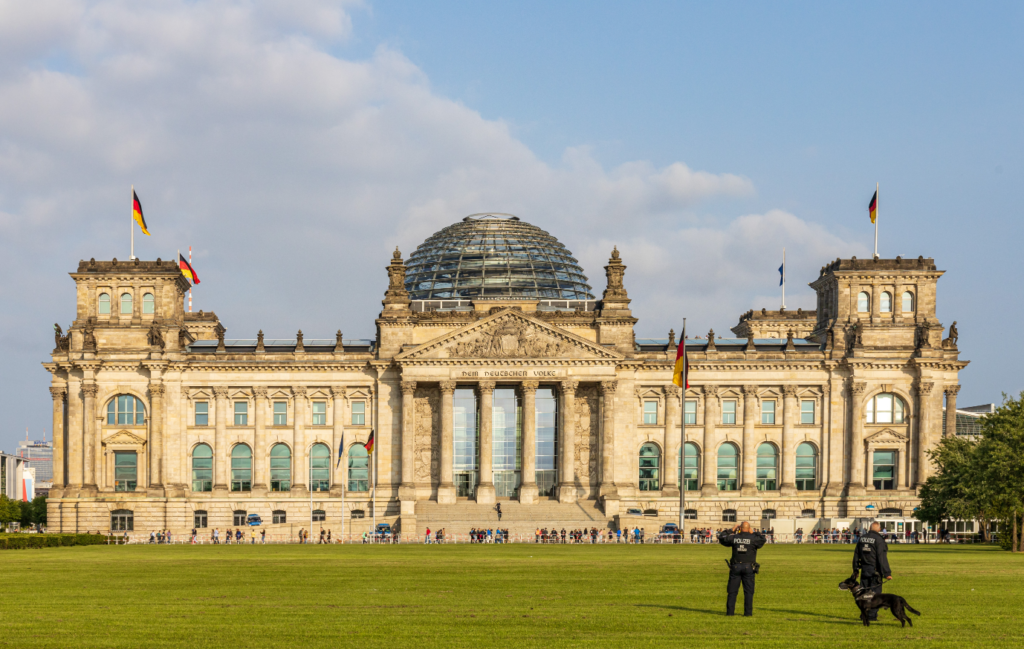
496, 376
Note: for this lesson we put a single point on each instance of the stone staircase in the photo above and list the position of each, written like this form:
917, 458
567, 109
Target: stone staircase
519, 519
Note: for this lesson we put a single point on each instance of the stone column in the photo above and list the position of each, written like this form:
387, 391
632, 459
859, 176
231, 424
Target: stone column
58, 393
528, 489
608, 389
446, 490
924, 438
790, 413
670, 472
408, 431
709, 486
76, 433
301, 462
485, 493
221, 479
156, 431
260, 462
834, 429
567, 443
951, 392
857, 450
90, 460
749, 466
338, 467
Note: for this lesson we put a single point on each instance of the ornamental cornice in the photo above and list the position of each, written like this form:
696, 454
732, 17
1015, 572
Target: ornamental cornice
305, 366
717, 366
505, 362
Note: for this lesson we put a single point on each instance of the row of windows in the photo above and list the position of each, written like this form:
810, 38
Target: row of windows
281, 468
148, 304
241, 413
885, 302
729, 406
123, 520
767, 467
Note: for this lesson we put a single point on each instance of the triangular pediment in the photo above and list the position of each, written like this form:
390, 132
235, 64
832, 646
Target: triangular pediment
125, 437
509, 334
887, 436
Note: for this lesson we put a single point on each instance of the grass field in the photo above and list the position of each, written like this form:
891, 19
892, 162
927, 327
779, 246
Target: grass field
494, 595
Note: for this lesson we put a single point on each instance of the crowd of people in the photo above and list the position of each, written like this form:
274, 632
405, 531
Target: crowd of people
707, 535
852, 536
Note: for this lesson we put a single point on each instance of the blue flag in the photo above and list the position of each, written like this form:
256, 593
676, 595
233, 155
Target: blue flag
341, 450
782, 274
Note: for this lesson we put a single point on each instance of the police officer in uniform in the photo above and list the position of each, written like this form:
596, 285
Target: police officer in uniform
869, 557
743, 565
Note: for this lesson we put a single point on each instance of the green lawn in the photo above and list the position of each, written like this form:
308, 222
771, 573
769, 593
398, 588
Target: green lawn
235, 597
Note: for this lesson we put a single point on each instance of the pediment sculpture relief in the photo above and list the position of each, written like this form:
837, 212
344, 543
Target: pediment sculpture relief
508, 338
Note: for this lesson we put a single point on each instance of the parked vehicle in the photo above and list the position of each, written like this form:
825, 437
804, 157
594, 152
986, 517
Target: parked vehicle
253, 520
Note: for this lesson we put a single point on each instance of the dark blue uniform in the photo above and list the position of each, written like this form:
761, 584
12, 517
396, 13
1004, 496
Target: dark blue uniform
741, 568
870, 558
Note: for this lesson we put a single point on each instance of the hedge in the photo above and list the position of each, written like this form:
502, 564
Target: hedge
24, 541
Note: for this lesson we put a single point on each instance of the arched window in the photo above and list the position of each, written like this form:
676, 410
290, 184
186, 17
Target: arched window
808, 513
908, 302
728, 515
319, 468
806, 467
279, 516
319, 516
199, 519
650, 459
202, 468
767, 514
104, 304
280, 468
728, 467
126, 410
692, 456
885, 304
148, 303
863, 302
239, 516
885, 408
126, 303
241, 468
767, 467
122, 520
358, 468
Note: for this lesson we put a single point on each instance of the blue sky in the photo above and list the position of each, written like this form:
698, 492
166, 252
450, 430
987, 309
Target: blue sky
699, 138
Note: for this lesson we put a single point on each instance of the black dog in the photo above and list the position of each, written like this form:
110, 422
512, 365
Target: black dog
867, 600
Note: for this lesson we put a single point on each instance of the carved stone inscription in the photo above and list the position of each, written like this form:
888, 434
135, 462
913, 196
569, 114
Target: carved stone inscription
506, 373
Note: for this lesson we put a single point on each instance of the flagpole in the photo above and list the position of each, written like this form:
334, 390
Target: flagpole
876, 220
131, 224
682, 443
373, 494
783, 277
190, 283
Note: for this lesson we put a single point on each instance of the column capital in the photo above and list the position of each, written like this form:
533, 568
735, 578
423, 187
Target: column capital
789, 390
156, 389
486, 387
220, 392
924, 388
90, 389
710, 391
260, 391
529, 386
338, 391
858, 388
826, 389
299, 391
952, 390
448, 387
608, 388
408, 387
672, 390
58, 392
569, 387
750, 390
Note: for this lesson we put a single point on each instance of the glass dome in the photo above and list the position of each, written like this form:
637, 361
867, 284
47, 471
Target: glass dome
494, 255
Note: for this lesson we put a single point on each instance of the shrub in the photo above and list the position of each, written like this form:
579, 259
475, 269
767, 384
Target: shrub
26, 541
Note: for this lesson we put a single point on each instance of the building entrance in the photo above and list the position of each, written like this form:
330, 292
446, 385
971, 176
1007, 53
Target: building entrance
506, 484
465, 484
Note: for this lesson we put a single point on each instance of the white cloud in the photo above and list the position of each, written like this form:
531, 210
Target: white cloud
293, 172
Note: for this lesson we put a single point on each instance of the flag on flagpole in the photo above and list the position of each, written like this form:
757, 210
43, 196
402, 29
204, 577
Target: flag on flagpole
341, 450
187, 270
369, 443
137, 213
782, 274
873, 207
681, 374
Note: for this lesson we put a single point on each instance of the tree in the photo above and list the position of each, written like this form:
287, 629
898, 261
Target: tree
39, 510
953, 491
9, 511
1000, 461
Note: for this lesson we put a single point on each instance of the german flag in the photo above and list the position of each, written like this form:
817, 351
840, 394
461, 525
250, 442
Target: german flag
137, 213
873, 207
187, 270
681, 373
369, 443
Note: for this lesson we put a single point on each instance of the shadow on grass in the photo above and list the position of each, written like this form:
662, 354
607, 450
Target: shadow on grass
683, 608
842, 620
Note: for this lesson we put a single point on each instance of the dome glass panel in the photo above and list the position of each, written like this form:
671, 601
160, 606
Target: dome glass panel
494, 256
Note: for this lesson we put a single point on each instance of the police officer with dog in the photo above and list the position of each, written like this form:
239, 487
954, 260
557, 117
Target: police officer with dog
743, 566
870, 558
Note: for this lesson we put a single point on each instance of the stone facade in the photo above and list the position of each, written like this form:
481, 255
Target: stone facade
874, 332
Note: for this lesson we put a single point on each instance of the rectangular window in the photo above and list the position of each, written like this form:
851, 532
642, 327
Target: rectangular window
358, 413
319, 413
883, 409
125, 470
279, 517
807, 411
884, 469
241, 413
202, 413
650, 413
547, 441
280, 413
768, 413
239, 518
729, 412
466, 442
690, 414
199, 519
